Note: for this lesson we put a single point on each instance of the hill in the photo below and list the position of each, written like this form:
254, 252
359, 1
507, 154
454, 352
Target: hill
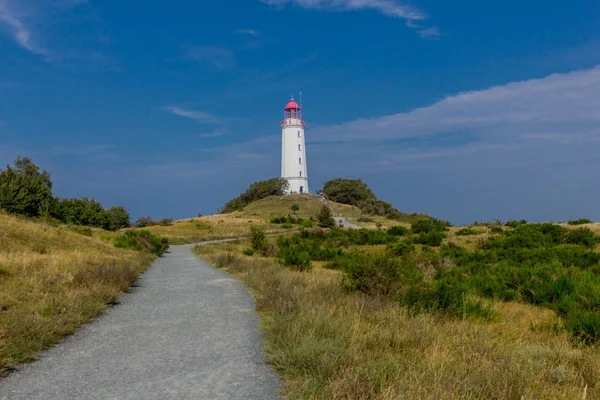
55, 278
260, 213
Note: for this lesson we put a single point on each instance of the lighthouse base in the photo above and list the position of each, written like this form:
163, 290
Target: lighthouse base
297, 185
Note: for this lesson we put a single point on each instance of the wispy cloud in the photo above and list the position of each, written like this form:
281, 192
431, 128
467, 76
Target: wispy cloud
18, 29
200, 116
217, 133
218, 57
430, 33
389, 8
250, 32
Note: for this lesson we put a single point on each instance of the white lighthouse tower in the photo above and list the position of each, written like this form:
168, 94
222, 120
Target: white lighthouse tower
293, 149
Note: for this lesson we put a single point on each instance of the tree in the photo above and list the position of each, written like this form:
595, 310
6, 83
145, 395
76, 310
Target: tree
118, 218
84, 211
325, 219
26, 190
295, 207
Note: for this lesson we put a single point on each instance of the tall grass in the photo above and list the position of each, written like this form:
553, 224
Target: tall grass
328, 343
52, 280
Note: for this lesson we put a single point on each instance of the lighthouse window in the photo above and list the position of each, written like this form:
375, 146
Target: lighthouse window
299, 147
300, 174
298, 133
300, 161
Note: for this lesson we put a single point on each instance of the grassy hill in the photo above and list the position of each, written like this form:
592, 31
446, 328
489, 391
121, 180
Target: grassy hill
260, 212
55, 278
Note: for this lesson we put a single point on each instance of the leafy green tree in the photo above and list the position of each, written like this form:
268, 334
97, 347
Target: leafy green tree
82, 211
325, 219
117, 218
26, 190
295, 207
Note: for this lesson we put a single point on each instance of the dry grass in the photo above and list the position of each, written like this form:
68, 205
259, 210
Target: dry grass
52, 280
328, 344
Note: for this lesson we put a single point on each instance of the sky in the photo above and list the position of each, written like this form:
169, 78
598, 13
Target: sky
464, 110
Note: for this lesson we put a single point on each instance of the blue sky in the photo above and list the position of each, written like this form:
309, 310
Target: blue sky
465, 110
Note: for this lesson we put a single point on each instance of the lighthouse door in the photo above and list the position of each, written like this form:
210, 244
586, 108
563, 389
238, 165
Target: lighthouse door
301, 189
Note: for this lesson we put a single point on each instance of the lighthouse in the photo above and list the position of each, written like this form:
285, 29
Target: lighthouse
293, 149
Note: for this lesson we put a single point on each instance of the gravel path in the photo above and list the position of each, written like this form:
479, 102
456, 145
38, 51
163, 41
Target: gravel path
187, 331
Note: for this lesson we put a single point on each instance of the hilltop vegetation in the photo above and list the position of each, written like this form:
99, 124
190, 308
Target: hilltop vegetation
256, 191
490, 311
356, 193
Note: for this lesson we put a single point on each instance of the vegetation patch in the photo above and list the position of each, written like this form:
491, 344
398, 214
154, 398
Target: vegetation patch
141, 240
256, 191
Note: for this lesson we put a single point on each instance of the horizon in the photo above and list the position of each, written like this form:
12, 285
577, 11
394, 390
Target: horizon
463, 111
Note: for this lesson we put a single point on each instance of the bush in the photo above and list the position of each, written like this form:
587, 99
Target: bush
401, 249
143, 222
287, 225
585, 326
398, 230
258, 239
295, 207
514, 224
141, 240
165, 221
467, 232
325, 218
307, 224
582, 236
117, 218
296, 258
430, 225
277, 220
580, 221
248, 252
256, 191
430, 239
366, 219
373, 275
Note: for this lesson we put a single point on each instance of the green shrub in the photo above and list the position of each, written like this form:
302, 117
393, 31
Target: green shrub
141, 240
430, 239
582, 236
447, 298
83, 211
277, 220
514, 224
585, 326
401, 249
117, 218
248, 251
430, 225
295, 207
325, 218
398, 230
467, 232
296, 258
366, 219
165, 221
258, 239
287, 225
580, 221
375, 275
307, 224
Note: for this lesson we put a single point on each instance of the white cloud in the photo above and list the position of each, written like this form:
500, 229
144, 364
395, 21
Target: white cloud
390, 8
250, 32
18, 29
200, 116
